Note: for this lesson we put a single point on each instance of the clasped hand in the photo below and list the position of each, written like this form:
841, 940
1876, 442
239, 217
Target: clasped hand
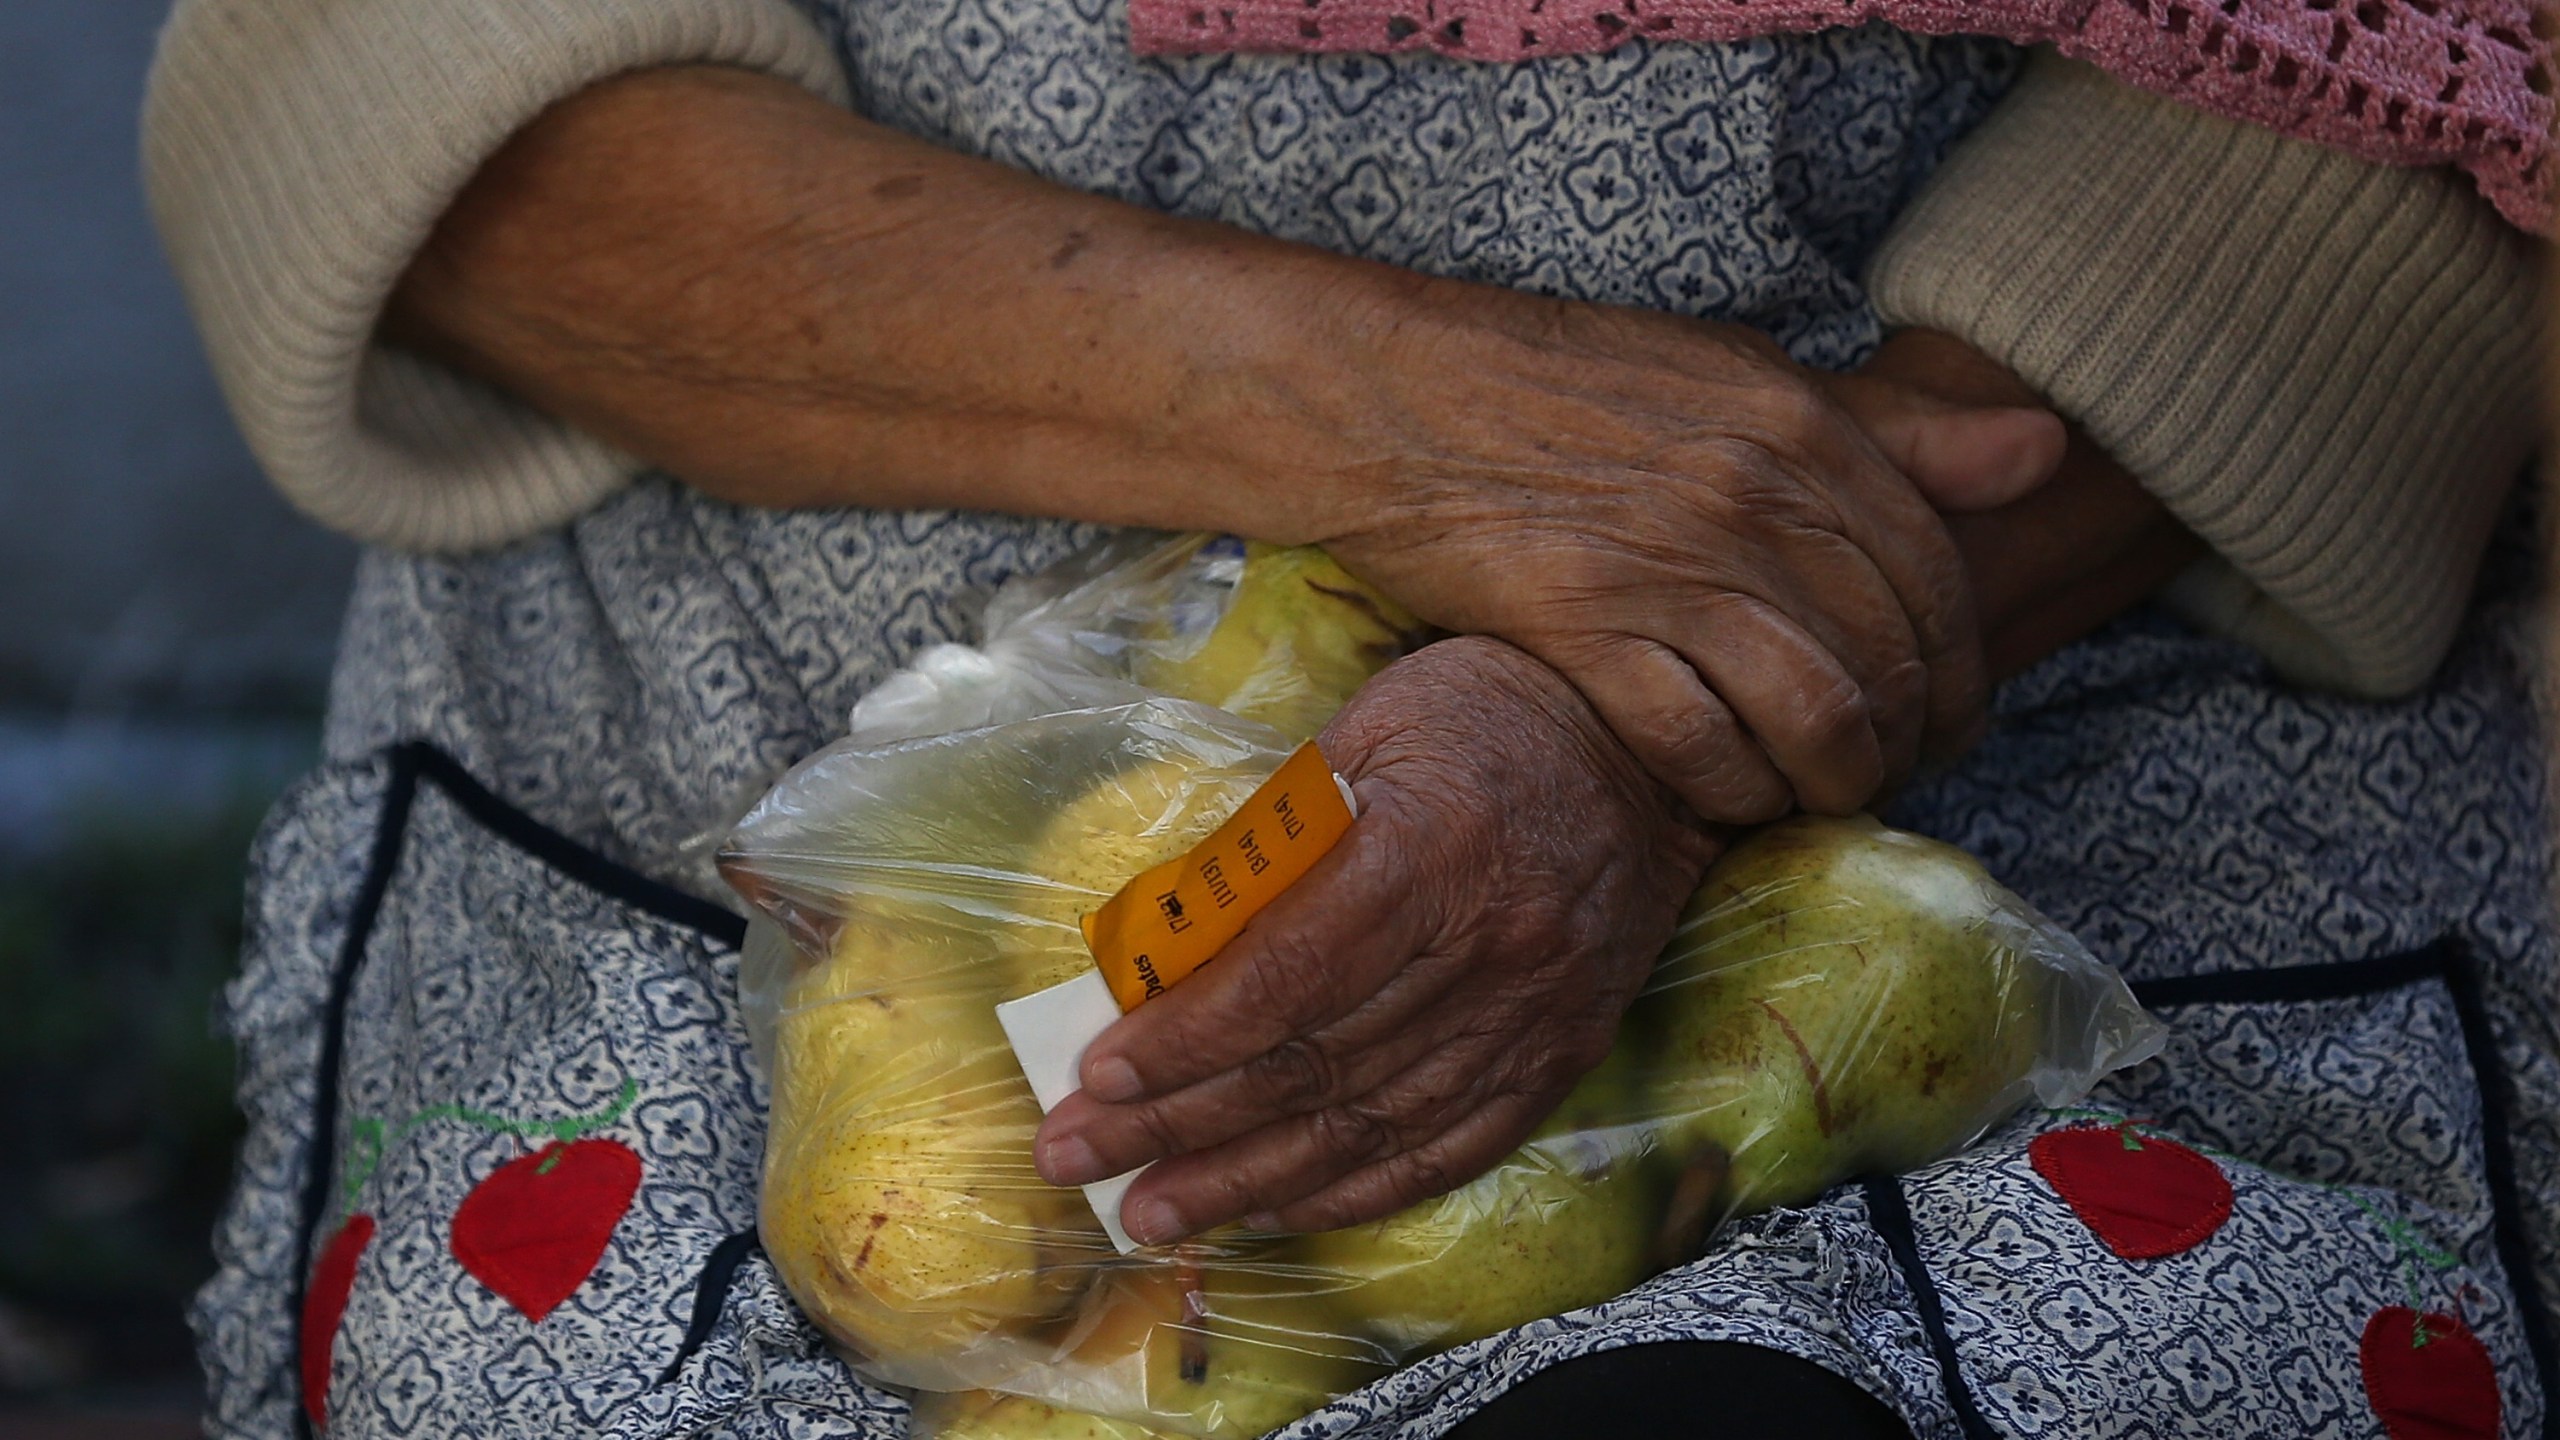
1398, 1020
1703, 622
1738, 563
1719, 579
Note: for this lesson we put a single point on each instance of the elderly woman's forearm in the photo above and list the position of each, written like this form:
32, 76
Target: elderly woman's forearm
787, 305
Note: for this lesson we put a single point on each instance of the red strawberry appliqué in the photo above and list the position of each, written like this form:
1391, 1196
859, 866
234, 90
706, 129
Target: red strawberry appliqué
2143, 1196
324, 1304
534, 1230
2429, 1377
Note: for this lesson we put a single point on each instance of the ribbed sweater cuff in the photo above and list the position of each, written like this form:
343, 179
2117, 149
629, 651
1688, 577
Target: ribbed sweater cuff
298, 152
2323, 367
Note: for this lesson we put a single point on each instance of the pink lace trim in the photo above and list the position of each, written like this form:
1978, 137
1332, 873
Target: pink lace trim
2402, 82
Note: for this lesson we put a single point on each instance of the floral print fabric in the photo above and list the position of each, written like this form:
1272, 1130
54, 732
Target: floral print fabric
490, 901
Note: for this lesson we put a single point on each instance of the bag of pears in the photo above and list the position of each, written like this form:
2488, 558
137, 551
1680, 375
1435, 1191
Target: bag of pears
1840, 999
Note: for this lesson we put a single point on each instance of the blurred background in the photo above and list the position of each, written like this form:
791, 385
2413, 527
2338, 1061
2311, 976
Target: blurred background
165, 629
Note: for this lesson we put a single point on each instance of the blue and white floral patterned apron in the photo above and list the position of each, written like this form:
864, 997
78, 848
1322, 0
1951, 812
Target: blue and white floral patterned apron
504, 1129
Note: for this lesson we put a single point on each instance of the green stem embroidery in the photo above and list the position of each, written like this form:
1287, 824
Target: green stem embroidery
368, 1140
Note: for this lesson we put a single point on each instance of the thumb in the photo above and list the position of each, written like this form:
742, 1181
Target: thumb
1962, 457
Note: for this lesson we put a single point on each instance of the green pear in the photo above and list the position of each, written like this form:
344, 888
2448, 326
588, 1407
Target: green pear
1566, 1221
1839, 999
1299, 637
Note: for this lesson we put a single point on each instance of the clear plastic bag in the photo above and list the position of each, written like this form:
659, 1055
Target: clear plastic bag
1275, 635
1840, 999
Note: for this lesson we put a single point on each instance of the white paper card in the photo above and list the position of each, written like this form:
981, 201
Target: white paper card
1050, 1031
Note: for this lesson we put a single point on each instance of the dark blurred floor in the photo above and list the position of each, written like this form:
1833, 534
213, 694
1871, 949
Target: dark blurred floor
115, 940
165, 626
170, 1419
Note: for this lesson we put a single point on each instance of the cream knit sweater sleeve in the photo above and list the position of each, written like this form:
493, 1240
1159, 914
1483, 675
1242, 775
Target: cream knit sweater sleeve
297, 152
2321, 366
2325, 368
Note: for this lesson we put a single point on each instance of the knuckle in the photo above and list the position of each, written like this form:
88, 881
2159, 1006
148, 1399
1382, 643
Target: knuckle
1693, 736
1354, 1135
1744, 789
1547, 914
1939, 594
1746, 477
1285, 981
1162, 1129
1900, 697
1830, 713
1769, 480
1795, 410
1903, 685
1418, 1175
1293, 1075
1757, 798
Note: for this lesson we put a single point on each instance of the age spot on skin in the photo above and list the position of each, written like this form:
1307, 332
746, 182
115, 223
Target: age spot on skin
1076, 243
898, 187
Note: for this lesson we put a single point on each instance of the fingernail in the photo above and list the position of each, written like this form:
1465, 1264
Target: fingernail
2032, 457
1262, 1220
1068, 1160
1151, 1221
1112, 1080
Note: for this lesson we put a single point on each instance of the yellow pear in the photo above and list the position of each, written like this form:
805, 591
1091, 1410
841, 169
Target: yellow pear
1126, 823
882, 1005
985, 1415
915, 1239
1566, 1221
900, 1200
1299, 637
1226, 1348
900, 1204
1840, 999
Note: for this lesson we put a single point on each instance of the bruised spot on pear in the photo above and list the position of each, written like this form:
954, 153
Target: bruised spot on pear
862, 1257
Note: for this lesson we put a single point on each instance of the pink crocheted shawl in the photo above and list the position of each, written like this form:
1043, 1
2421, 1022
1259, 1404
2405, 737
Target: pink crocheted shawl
2403, 82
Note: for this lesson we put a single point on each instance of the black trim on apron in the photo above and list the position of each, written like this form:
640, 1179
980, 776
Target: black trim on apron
2449, 961
410, 763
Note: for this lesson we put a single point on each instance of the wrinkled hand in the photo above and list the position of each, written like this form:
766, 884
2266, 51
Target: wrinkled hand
1406, 1014
1737, 562
2052, 565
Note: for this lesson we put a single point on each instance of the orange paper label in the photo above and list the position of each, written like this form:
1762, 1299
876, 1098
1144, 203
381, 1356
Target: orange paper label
1169, 921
